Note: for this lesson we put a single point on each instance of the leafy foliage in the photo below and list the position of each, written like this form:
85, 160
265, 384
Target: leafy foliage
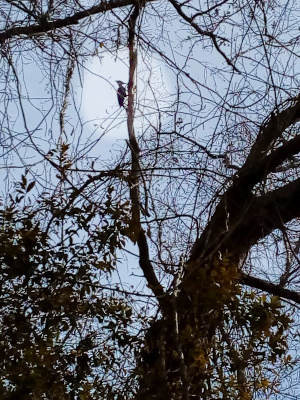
62, 334
230, 339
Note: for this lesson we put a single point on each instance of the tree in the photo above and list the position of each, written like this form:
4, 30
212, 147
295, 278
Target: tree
204, 193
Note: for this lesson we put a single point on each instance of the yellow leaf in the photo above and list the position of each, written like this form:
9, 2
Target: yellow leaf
264, 382
214, 273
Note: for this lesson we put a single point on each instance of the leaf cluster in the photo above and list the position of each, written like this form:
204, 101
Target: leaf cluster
62, 335
229, 338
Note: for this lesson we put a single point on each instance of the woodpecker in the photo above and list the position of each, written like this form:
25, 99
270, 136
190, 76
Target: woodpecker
121, 93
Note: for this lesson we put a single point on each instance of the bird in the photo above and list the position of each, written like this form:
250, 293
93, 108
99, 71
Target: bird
121, 93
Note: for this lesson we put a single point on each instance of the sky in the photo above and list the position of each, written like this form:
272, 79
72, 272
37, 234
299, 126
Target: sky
104, 118
98, 101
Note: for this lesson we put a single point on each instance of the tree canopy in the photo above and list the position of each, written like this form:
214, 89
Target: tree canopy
149, 251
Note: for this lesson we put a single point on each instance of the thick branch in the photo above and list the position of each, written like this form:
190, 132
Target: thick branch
131, 83
270, 163
273, 129
251, 174
265, 214
238, 201
144, 258
270, 288
47, 26
258, 218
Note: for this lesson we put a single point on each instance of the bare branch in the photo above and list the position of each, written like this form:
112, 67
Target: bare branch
209, 34
144, 258
270, 288
47, 26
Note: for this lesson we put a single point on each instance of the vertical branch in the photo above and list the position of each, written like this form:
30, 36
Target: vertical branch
135, 151
178, 346
131, 82
145, 263
63, 147
62, 114
140, 237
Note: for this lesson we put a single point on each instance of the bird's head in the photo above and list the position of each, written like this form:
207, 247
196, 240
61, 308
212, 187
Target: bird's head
120, 83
